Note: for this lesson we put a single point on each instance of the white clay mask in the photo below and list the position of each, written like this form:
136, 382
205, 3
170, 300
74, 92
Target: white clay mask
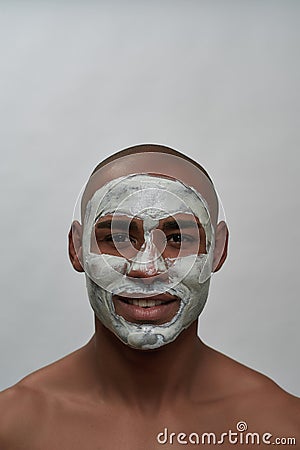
143, 273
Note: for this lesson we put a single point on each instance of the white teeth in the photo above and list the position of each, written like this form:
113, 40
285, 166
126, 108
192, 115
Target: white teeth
144, 303
151, 303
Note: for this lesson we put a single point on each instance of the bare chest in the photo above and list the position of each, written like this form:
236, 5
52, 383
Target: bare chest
108, 428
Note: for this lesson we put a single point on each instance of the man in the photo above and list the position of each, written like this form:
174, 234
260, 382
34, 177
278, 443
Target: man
148, 243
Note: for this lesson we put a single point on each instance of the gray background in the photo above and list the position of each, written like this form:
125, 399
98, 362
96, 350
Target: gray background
217, 80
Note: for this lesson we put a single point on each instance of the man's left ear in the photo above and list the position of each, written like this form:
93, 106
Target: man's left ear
221, 246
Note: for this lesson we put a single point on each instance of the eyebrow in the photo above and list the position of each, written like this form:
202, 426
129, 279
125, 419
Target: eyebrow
178, 224
117, 223
167, 226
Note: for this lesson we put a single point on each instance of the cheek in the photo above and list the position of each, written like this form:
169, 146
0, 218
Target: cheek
106, 269
187, 270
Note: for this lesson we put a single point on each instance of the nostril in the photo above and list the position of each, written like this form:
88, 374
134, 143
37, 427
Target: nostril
148, 276
142, 274
147, 268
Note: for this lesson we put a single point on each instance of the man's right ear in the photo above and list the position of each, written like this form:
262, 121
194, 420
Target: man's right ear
75, 246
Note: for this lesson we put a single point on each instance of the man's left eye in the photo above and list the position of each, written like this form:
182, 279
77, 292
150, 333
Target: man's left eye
178, 238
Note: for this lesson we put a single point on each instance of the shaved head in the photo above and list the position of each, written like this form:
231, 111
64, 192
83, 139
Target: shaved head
143, 148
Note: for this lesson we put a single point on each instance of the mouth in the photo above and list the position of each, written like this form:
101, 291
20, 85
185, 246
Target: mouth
156, 310
146, 302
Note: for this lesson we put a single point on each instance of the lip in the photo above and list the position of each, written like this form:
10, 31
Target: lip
158, 314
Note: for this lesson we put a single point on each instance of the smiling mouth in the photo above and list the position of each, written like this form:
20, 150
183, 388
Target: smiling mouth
156, 310
146, 302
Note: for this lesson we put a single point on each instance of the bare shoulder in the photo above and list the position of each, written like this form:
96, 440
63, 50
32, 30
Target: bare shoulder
28, 405
269, 408
19, 409
257, 398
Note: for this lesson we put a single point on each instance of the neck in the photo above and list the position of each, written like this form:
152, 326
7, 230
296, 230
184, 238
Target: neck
147, 377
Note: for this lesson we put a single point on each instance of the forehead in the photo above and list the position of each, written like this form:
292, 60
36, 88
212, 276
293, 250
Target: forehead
145, 196
155, 164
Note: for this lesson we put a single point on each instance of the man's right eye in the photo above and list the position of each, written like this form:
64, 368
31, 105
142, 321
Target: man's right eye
119, 238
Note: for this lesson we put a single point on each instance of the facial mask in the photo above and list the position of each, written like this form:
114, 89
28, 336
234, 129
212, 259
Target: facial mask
150, 199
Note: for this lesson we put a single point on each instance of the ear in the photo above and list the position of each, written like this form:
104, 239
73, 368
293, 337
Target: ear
221, 246
75, 246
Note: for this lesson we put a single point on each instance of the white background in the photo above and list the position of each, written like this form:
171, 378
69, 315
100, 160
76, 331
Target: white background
217, 80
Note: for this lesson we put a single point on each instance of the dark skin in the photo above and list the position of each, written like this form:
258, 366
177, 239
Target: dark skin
173, 235
107, 395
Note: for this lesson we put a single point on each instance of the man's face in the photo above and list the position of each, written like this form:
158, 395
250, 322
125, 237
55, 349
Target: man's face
147, 253
123, 236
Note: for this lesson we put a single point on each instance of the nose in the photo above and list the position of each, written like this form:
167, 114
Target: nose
148, 276
148, 262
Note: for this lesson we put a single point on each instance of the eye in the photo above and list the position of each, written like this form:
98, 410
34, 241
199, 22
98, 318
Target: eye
178, 238
120, 238
174, 238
